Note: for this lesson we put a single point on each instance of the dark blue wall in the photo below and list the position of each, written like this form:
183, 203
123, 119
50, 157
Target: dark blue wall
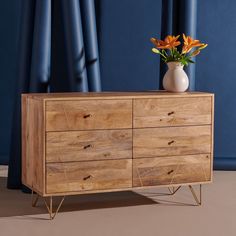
216, 69
126, 27
9, 18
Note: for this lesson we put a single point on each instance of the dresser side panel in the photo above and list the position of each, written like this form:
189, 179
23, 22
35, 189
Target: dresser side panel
33, 144
212, 132
23, 138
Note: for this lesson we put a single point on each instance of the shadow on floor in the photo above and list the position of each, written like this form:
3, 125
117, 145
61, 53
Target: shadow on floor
17, 203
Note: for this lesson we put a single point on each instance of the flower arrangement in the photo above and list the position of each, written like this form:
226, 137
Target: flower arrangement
168, 51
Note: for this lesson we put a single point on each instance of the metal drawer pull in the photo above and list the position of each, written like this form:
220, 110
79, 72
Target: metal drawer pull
171, 113
169, 143
170, 172
86, 116
87, 146
87, 177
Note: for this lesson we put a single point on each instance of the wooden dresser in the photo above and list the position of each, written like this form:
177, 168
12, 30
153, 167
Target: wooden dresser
76, 143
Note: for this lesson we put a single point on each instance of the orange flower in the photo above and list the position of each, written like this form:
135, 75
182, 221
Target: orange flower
169, 42
190, 43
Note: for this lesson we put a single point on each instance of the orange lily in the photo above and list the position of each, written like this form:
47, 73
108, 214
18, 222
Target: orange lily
190, 43
171, 42
168, 43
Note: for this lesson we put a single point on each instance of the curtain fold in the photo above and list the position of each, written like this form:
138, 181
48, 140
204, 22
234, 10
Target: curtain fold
22, 86
178, 17
33, 72
38, 66
166, 29
77, 73
185, 21
41, 49
91, 44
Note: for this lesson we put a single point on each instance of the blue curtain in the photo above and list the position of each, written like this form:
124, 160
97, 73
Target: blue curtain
43, 56
178, 17
166, 29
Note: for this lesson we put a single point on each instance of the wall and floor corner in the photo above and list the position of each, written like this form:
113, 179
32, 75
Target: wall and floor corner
126, 62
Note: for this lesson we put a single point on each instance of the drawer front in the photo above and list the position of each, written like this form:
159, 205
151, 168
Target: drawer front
172, 112
91, 175
88, 145
152, 142
171, 170
87, 115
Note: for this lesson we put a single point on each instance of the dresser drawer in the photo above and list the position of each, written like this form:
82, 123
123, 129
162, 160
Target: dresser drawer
152, 142
88, 145
171, 170
161, 112
91, 175
89, 114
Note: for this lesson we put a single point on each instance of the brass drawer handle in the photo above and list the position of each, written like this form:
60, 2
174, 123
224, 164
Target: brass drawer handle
169, 143
86, 116
87, 146
171, 113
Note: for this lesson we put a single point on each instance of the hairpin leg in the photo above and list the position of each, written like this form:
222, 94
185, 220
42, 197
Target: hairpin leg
50, 207
34, 200
173, 190
198, 201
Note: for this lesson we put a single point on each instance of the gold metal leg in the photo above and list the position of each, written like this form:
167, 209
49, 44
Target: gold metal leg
198, 201
34, 200
173, 190
52, 215
50, 207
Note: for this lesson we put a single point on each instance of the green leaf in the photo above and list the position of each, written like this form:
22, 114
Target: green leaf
164, 52
184, 61
190, 61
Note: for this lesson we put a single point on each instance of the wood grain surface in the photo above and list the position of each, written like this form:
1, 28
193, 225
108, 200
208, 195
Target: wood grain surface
171, 170
91, 175
152, 142
114, 95
161, 112
88, 115
33, 144
75, 143
24, 138
88, 145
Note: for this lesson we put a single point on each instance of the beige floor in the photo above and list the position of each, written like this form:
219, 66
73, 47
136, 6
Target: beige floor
126, 213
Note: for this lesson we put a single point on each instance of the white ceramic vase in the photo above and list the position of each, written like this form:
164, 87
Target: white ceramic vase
175, 79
